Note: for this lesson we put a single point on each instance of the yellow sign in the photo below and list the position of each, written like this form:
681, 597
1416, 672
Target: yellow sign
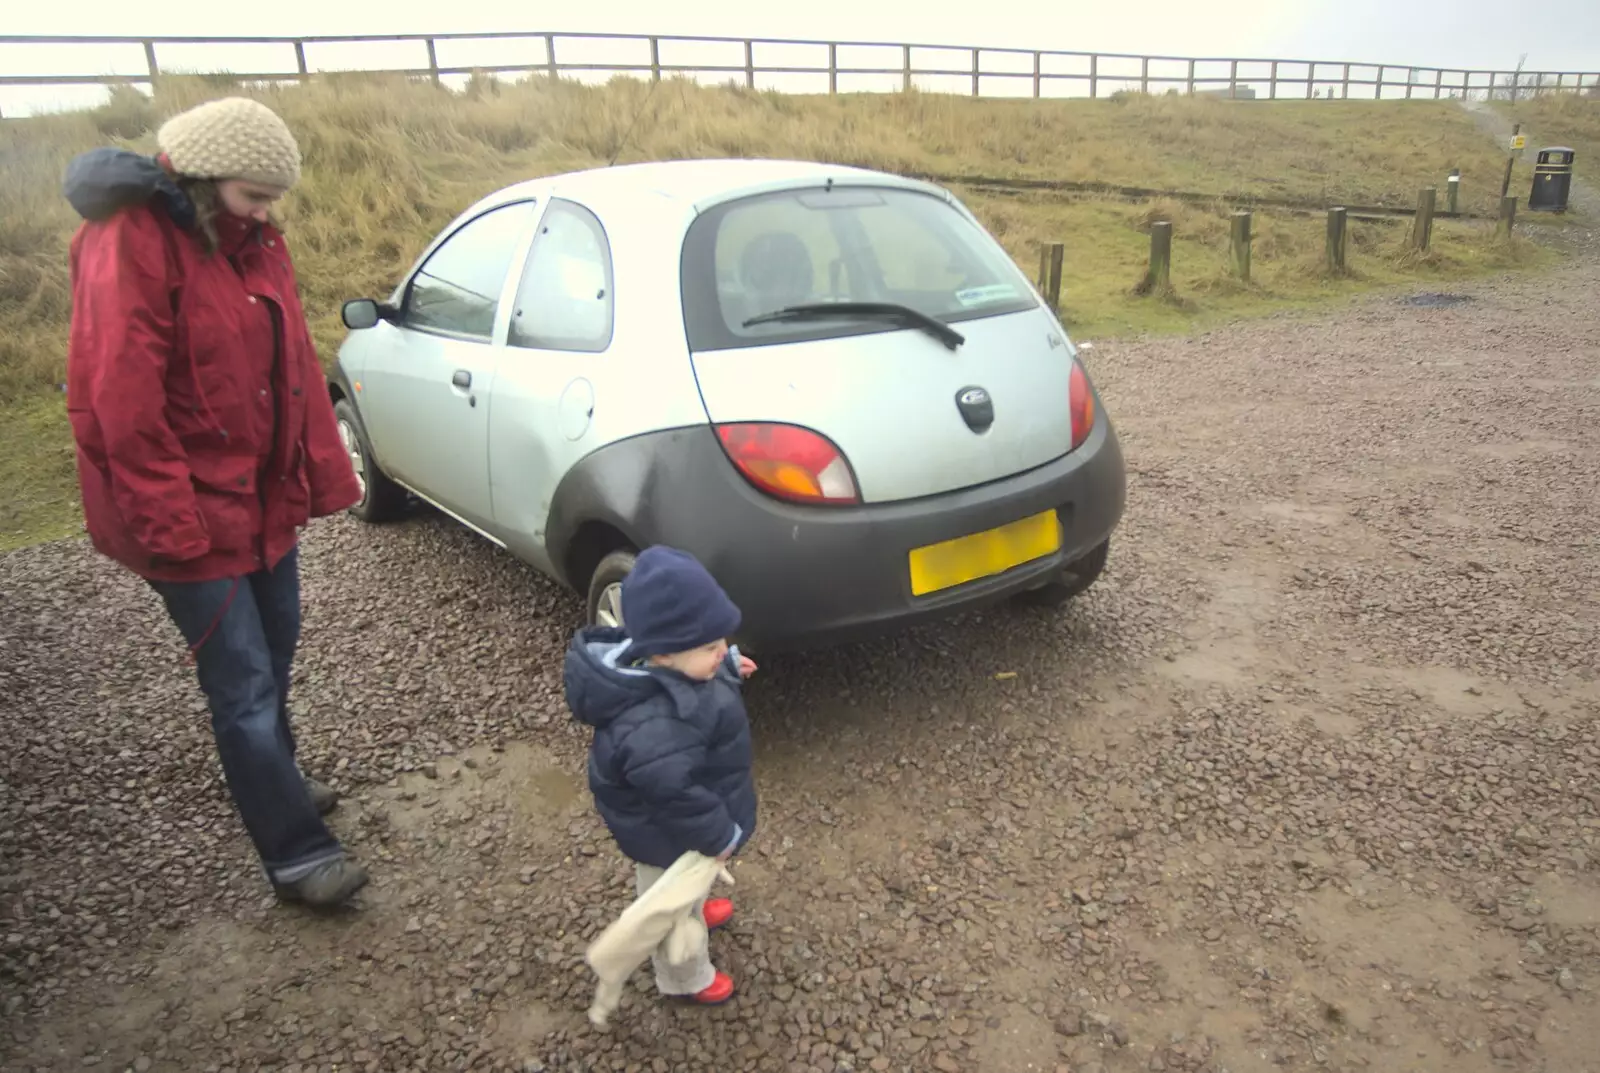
1518, 141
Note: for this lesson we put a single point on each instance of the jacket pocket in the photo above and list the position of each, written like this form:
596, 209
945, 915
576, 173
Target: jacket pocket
228, 497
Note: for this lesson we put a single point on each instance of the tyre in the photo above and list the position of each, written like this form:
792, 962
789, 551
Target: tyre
605, 587
381, 499
1075, 577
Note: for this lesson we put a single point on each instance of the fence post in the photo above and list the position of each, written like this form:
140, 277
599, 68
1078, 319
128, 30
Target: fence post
1422, 226
1094, 75
1239, 245
550, 67
1453, 190
905, 60
750, 65
1191, 78
150, 62
1508, 216
1338, 232
1158, 279
1311, 80
1233, 81
433, 61
300, 57
655, 59
1438, 83
1056, 255
1274, 84
1036, 77
833, 69
1144, 75
1511, 160
974, 72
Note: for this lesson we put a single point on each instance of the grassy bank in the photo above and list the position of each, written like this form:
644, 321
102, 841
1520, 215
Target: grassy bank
389, 161
1561, 119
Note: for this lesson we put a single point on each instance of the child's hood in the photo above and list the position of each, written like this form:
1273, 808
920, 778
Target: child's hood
601, 686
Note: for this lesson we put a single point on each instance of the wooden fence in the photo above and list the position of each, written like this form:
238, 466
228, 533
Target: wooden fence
982, 69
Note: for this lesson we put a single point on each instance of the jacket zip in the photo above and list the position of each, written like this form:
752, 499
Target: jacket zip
273, 461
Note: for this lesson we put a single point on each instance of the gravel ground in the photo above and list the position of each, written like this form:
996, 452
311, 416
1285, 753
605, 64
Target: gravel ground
1308, 781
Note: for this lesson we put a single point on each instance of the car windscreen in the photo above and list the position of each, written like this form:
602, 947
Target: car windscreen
818, 245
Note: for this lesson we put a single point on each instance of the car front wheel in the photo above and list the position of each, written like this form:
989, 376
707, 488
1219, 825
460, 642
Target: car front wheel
1074, 578
381, 499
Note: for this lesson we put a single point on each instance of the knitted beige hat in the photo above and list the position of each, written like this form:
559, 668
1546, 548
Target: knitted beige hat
231, 138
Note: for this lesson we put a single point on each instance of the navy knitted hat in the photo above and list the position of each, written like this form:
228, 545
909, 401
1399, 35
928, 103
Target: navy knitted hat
670, 603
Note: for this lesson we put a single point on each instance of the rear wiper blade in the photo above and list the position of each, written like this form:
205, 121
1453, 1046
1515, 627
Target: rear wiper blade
932, 325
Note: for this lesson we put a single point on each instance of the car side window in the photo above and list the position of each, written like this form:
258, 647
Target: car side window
564, 299
457, 289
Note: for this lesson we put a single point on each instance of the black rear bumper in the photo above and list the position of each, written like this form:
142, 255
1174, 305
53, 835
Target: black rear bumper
805, 577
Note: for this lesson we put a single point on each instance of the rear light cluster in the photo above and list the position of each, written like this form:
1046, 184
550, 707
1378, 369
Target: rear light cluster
790, 462
1081, 403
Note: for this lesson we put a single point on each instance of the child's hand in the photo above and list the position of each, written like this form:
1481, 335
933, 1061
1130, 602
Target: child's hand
747, 666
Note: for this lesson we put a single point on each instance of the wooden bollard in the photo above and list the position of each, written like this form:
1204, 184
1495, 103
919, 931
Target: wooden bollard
1338, 233
1422, 226
1158, 278
1508, 216
1239, 245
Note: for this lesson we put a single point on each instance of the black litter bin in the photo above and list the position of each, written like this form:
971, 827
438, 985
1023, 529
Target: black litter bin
1552, 180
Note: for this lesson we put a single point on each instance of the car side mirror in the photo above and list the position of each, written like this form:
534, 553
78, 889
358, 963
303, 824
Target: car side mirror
362, 313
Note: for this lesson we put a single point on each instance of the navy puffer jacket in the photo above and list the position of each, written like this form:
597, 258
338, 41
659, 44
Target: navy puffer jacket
670, 763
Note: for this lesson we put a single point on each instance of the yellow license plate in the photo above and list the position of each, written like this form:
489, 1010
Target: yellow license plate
955, 562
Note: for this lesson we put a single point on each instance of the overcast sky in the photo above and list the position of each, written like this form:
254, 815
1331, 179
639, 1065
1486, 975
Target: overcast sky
1556, 35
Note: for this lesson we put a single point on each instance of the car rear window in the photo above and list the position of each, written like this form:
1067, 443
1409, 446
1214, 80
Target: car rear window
838, 244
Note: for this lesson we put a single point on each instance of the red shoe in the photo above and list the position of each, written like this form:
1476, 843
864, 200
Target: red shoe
720, 991
717, 912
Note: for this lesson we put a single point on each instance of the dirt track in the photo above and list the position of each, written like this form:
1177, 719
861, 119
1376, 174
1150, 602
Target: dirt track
1311, 781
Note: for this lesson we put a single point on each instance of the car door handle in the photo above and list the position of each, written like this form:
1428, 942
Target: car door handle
462, 379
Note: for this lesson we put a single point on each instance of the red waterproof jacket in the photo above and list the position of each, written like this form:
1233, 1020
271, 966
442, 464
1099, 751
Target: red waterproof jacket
205, 433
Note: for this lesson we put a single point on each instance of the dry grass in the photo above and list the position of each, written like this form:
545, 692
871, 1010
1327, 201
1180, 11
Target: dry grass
1562, 119
388, 161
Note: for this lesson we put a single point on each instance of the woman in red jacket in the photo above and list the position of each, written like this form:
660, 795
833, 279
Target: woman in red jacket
206, 439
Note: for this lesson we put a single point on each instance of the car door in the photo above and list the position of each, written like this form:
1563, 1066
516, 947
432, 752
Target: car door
561, 321
426, 384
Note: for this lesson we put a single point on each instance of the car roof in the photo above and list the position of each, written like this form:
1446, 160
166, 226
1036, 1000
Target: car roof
701, 183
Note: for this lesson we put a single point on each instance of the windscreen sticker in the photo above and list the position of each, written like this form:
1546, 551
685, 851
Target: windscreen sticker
994, 292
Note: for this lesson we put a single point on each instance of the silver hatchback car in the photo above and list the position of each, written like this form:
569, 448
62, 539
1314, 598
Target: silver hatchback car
832, 385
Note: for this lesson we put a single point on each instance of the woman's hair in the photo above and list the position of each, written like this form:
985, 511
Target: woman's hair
207, 204
207, 207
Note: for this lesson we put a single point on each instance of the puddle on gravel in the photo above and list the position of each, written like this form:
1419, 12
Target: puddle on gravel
1435, 300
524, 780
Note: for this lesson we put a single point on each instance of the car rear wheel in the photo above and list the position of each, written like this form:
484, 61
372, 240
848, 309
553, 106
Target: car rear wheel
605, 587
381, 499
1074, 578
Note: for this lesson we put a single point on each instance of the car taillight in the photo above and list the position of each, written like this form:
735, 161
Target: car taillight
790, 462
1081, 404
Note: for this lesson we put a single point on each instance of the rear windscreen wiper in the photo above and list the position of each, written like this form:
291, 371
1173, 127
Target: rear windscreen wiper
932, 325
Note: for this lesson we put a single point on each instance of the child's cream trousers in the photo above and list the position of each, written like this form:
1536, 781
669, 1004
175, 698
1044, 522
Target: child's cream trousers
691, 973
665, 922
